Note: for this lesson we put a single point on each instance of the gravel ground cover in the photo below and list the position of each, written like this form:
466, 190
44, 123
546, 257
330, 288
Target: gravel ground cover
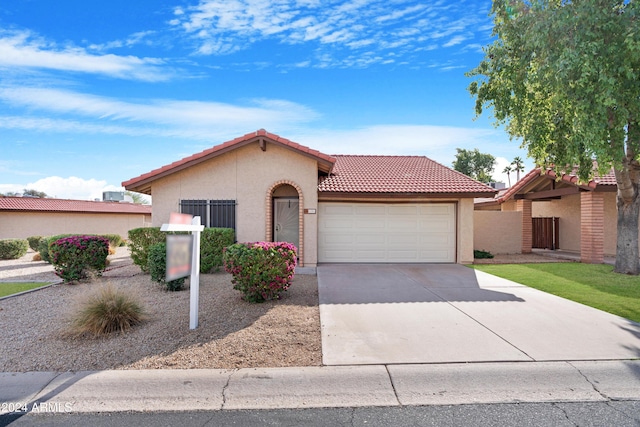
34, 327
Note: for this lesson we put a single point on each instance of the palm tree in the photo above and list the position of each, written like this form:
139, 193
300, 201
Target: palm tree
507, 169
518, 166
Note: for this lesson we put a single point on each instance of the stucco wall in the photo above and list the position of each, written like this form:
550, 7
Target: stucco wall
245, 175
568, 210
20, 225
466, 225
497, 232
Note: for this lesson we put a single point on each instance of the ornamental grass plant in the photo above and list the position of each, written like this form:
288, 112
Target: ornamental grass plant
106, 311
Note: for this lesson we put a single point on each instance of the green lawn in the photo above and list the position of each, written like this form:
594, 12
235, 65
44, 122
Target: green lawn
595, 285
11, 288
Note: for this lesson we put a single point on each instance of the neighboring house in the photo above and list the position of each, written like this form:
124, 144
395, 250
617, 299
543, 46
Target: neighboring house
333, 208
555, 213
22, 217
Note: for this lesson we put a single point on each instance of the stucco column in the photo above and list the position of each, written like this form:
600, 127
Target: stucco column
592, 227
524, 206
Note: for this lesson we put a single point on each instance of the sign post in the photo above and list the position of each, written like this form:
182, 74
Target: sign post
179, 223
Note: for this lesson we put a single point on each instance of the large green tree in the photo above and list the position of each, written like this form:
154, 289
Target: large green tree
564, 77
474, 164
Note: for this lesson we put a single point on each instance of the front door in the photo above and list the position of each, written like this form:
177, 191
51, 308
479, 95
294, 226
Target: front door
286, 220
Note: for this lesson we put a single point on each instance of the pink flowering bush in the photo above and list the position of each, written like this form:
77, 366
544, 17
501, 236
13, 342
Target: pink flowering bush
74, 256
261, 270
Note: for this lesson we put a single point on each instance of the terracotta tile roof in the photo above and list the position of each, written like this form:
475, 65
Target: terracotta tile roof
398, 174
141, 183
608, 179
30, 204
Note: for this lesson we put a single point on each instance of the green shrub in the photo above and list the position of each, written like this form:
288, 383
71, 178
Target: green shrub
261, 270
33, 242
74, 256
43, 249
107, 311
140, 239
481, 254
212, 244
157, 263
13, 248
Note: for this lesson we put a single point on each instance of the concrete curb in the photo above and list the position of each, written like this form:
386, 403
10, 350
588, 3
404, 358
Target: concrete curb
315, 387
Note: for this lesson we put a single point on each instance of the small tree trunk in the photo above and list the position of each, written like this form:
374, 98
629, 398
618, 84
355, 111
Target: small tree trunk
627, 253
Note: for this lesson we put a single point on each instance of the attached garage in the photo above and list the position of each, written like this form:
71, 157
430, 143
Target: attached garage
386, 232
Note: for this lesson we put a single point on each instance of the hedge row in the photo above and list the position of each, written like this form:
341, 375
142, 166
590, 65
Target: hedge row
212, 243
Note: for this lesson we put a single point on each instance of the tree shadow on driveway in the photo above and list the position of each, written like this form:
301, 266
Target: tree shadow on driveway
410, 283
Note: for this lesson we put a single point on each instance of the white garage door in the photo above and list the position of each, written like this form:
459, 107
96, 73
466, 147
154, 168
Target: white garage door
368, 232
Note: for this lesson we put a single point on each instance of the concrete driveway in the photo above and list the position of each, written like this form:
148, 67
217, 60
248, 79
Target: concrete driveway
386, 314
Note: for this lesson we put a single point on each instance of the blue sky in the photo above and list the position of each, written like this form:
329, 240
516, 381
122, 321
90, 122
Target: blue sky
95, 93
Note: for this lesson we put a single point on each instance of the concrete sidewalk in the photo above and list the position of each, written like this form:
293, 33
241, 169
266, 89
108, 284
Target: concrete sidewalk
313, 387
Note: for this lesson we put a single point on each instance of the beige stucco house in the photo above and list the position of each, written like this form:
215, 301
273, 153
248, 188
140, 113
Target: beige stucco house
22, 217
545, 211
333, 208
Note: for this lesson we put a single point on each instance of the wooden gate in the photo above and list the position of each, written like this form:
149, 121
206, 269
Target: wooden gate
546, 234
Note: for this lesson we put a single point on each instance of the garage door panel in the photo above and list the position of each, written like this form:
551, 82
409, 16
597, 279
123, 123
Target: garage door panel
402, 210
338, 239
366, 239
430, 239
369, 210
403, 256
403, 239
436, 225
360, 232
436, 209
403, 225
375, 223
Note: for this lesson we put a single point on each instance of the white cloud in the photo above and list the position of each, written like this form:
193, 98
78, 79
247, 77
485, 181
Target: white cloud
140, 37
65, 188
455, 41
226, 26
435, 142
162, 117
23, 50
512, 178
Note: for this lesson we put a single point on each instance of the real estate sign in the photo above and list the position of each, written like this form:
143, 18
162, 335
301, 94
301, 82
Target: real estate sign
192, 225
179, 256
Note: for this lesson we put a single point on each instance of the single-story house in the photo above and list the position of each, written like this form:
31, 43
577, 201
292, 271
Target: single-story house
335, 209
22, 217
554, 213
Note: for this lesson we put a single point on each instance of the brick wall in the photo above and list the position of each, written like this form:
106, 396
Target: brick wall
592, 227
524, 206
